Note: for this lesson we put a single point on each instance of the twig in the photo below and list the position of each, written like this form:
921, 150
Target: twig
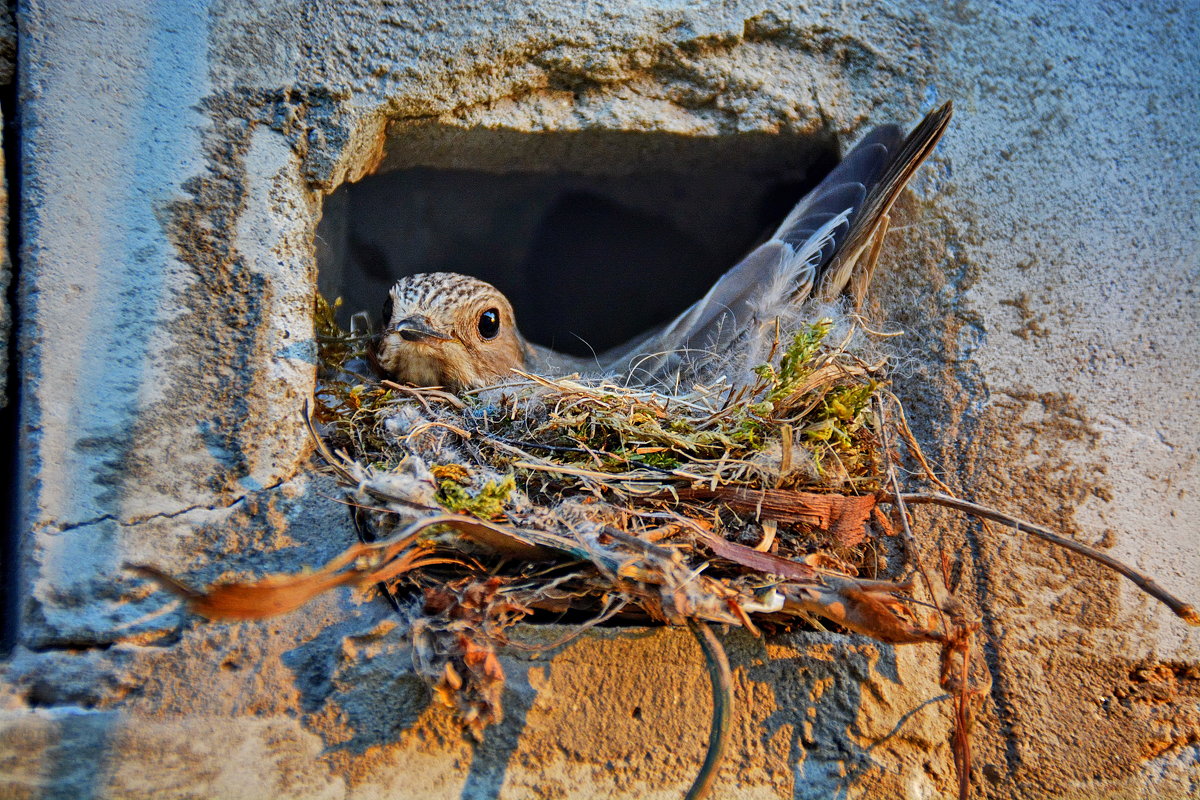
722, 693
939, 592
323, 449
962, 724
554, 448
584, 473
1184, 611
785, 456
913, 446
422, 393
426, 426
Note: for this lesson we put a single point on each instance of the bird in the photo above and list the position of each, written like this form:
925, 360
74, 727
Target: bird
459, 332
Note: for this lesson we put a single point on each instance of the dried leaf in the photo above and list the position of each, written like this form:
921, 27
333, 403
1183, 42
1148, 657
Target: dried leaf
766, 563
867, 607
264, 598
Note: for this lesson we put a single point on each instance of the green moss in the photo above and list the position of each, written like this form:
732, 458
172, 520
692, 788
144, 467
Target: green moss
485, 504
796, 363
839, 431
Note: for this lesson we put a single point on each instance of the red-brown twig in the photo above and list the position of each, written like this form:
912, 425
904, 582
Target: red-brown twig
1184, 611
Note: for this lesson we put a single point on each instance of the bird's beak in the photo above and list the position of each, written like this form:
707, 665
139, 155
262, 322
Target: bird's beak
417, 329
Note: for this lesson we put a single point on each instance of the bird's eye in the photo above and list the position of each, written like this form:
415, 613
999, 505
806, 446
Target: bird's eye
489, 323
387, 312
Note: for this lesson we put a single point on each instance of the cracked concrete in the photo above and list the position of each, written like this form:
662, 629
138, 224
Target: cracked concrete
174, 164
82, 597
128, 522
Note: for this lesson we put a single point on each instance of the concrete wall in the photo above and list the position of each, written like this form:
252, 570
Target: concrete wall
174, 161
8, 57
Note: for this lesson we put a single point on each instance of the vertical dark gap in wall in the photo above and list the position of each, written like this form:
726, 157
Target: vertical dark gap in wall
9, 414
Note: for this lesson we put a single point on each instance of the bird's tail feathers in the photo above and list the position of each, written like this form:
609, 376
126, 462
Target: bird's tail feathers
899, 164
825, 244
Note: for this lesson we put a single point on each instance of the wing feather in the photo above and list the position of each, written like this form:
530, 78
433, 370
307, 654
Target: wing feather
813, 253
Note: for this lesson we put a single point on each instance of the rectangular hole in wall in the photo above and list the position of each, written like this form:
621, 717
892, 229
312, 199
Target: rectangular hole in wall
595, 236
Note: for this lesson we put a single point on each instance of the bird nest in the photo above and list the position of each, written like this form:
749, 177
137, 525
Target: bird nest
589, 500
769, 505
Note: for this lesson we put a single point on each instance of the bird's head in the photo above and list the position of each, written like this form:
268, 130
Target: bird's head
445, 329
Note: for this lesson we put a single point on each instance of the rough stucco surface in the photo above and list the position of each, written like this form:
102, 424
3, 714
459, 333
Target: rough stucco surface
174, 161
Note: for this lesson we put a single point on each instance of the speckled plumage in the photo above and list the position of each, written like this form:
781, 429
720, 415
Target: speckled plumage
828, 244
432, 335
429, 288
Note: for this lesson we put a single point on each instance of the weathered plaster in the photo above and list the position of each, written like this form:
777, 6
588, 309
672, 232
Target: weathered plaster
174, 159
8, 58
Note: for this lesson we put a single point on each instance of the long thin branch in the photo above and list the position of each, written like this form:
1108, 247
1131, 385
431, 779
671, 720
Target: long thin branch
1184, 611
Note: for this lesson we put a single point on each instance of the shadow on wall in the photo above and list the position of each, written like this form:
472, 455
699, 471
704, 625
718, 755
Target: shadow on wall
595, 236
821, 706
